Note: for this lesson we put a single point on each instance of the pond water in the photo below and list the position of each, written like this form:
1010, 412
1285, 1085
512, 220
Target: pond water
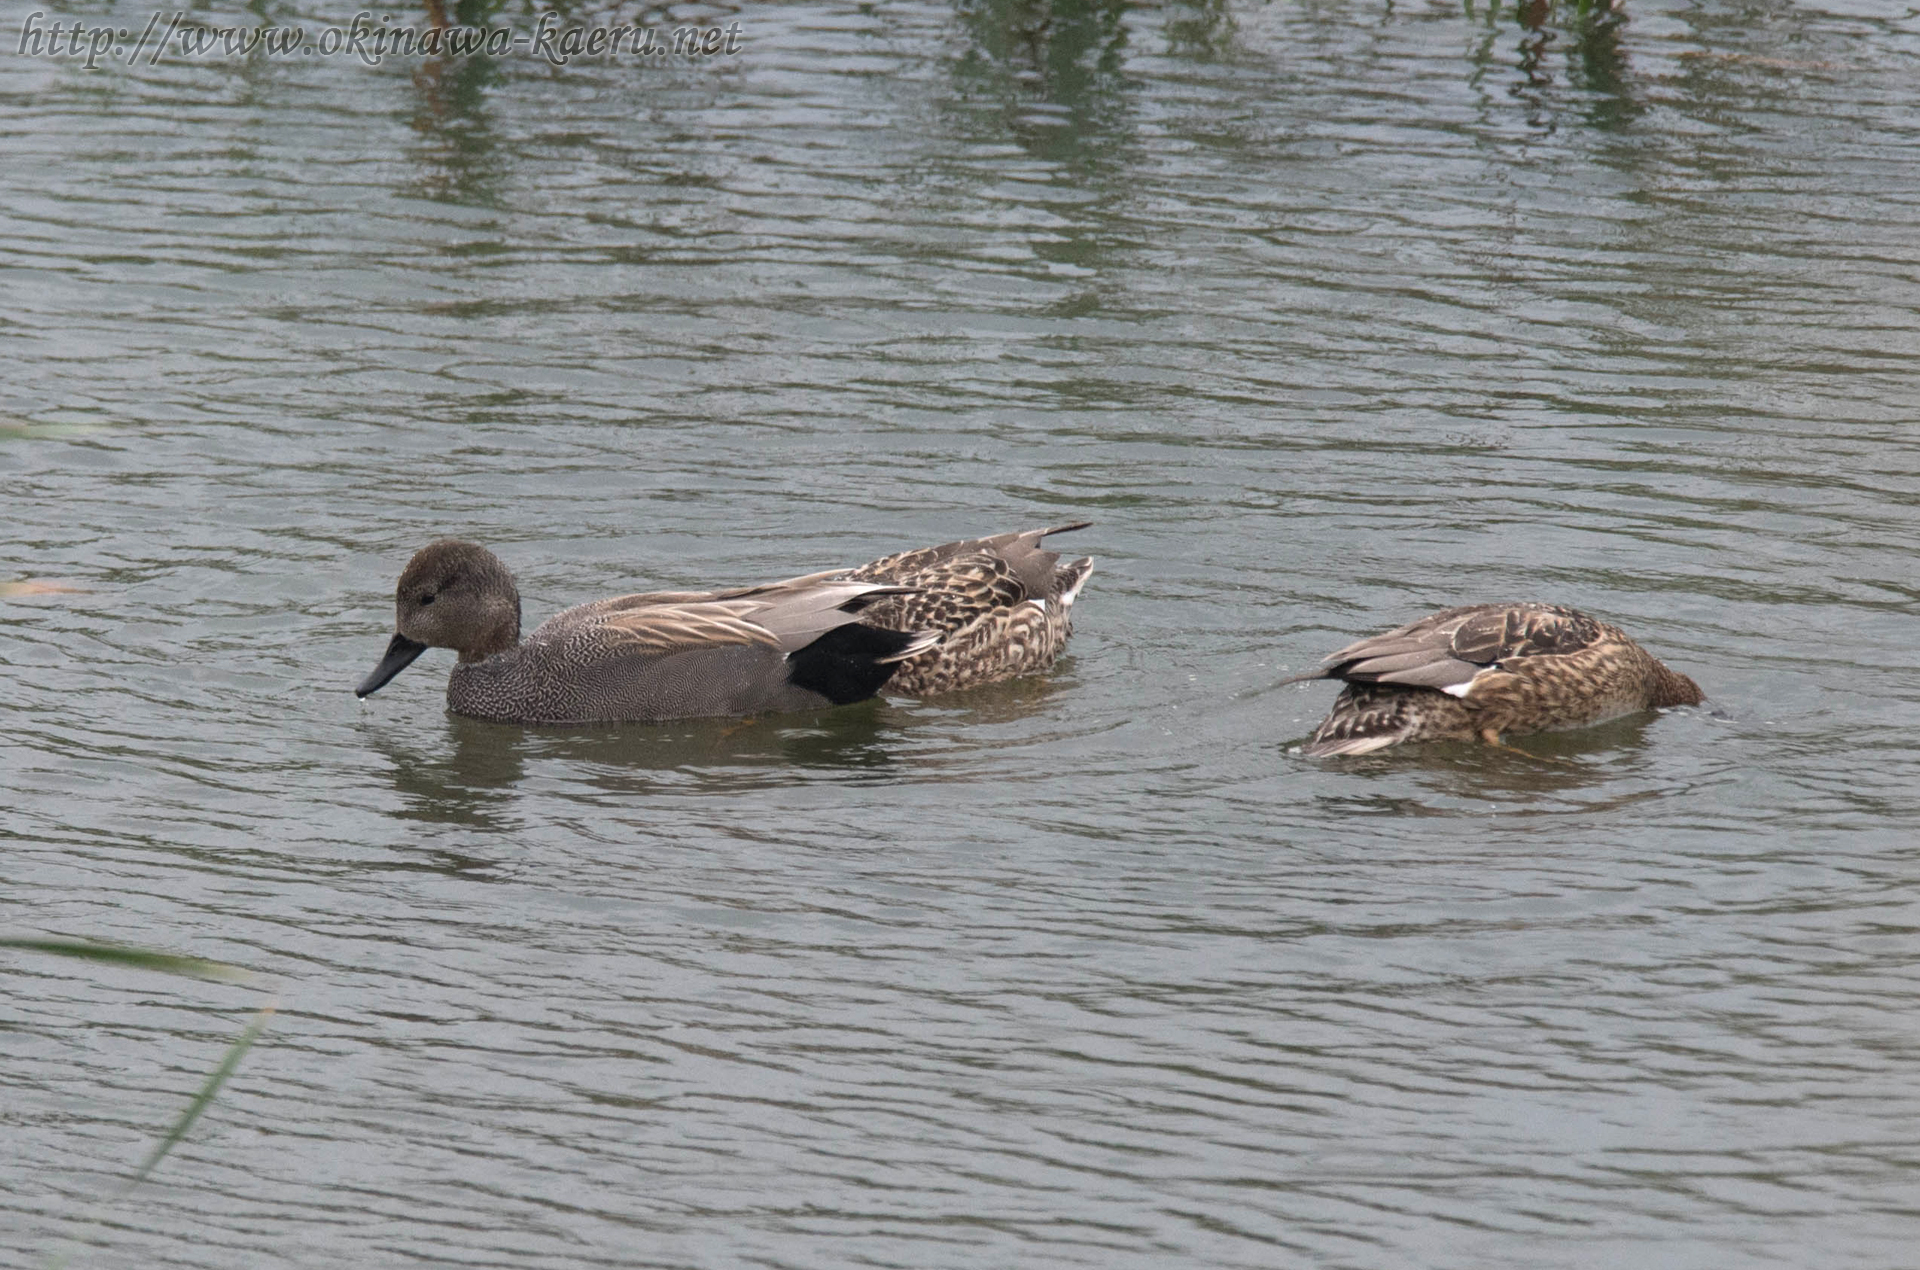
1326, 315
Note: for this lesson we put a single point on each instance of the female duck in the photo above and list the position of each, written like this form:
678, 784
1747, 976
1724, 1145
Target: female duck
1477, 672
1003, 606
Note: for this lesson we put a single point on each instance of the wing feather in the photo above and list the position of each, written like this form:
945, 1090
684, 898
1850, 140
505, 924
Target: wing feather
785, 616
663, 629
1446, 650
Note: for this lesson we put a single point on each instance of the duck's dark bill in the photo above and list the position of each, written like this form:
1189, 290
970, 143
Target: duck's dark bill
400, 655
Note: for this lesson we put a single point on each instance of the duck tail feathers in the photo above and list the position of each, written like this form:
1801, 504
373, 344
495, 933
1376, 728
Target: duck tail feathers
1069, 578
918, 642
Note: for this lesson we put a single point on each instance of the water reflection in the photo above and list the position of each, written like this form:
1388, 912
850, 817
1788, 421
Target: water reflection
1549, 772
727, 754
1198, 28
473, 780
460, 160
1600, 66
1053, 73
1596, 61
470, 783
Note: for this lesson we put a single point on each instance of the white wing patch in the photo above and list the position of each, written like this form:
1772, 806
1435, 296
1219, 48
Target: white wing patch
1461, 690
1361, 745
1072, 593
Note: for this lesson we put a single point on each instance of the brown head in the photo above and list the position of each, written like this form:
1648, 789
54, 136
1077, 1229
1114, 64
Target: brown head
452, 594
1670, 688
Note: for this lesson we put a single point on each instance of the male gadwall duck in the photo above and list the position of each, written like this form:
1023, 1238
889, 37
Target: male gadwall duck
930, 621
1476, 672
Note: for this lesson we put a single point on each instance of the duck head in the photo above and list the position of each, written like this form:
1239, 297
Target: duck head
452, 594
1671, 688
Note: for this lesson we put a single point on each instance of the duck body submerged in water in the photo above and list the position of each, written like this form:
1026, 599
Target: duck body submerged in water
935, 619
1486, 670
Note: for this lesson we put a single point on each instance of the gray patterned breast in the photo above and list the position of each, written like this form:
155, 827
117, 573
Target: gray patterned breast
574, 681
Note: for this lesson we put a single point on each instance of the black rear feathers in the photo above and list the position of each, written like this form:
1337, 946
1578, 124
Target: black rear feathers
850, 663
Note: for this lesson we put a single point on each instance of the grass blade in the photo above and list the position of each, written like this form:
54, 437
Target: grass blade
205, 1096
139, 958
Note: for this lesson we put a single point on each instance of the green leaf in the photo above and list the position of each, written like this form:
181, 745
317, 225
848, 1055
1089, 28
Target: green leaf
205, 1096
138, 958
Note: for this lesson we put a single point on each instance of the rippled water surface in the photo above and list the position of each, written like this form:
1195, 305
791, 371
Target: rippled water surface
1327, 315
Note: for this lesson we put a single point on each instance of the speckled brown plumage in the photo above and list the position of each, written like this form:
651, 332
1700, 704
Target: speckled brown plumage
1003, 605
1478, 672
